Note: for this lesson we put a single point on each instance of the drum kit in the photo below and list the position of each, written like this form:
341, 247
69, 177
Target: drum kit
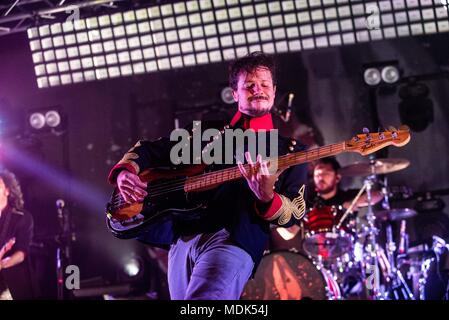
340, 255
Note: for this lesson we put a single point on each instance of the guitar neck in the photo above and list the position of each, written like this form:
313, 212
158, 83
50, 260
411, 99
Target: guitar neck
213, 179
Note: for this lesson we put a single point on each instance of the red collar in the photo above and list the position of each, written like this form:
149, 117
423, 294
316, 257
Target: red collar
264, 122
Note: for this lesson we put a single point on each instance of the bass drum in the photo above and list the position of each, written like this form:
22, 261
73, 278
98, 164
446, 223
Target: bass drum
289, 276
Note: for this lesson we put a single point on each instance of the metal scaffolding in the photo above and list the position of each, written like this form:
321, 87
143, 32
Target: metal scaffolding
19, 15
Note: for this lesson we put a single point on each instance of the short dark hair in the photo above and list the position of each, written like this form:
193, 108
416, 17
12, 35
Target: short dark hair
15, 198
249, 63
328, 160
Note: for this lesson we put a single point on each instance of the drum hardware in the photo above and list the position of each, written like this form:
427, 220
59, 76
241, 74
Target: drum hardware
421, 259
374, 167
350, 262
397, 285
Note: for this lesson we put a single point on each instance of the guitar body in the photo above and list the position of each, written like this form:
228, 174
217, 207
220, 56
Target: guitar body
157, 210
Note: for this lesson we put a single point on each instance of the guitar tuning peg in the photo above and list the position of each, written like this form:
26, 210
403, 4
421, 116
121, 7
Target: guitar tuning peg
365, 130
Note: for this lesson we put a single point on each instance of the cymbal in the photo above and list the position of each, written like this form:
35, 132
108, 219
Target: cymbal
379, 166
395, 214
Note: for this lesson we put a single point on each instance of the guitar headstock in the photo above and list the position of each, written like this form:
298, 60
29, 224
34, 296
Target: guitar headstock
367, 143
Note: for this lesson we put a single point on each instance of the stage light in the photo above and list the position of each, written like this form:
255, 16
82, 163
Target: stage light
176, 62
49, 55
131, 29
205, 4
46, 43
179, 7
35, 45
215, 56
234, 13
292, 32
58, 41
96, 48
129, 16
38, 57
306, 25
123, 57
172, 36
250, 24
212, 43
210, 30
263, 22
415, 108
119, 31
198, 32
52, 118
51, 68
390, 74
114, 72
63, 66
174, 49
121, 44
37, 120
84, 50
372, 76
221, 14
69, 39
111, 58
386, 71
99, 61
132, 267
44, 30
32, 33
248, 11
39, 69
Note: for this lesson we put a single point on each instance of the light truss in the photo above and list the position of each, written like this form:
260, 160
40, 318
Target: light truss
20, 15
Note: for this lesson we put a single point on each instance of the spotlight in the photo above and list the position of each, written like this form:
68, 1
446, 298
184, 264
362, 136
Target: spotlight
415, 108
390, 74
132, 267
386, 72
37, 120
44, 120
226, 95
52, 118
372, 76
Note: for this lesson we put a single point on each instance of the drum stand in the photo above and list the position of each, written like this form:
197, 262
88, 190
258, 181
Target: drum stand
397, 285
373, 257
370, 262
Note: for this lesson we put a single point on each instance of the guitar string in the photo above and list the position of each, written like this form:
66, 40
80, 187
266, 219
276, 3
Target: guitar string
174, 183
230, 172
179, 184
171, 186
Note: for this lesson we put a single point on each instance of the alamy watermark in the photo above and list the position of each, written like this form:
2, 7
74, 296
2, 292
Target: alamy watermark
72, 280
373, 20
223, 146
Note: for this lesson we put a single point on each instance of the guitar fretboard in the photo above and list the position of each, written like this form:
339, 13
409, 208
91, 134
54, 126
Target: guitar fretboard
213, 179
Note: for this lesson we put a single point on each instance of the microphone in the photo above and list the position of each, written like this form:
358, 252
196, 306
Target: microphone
60, 204
289, 107
403, 238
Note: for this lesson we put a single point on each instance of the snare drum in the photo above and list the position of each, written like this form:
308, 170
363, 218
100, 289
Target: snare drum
290, 276
322, 238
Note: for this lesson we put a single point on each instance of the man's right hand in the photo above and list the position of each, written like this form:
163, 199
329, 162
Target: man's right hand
131, 187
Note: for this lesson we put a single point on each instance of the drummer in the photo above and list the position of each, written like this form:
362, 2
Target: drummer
327, 190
